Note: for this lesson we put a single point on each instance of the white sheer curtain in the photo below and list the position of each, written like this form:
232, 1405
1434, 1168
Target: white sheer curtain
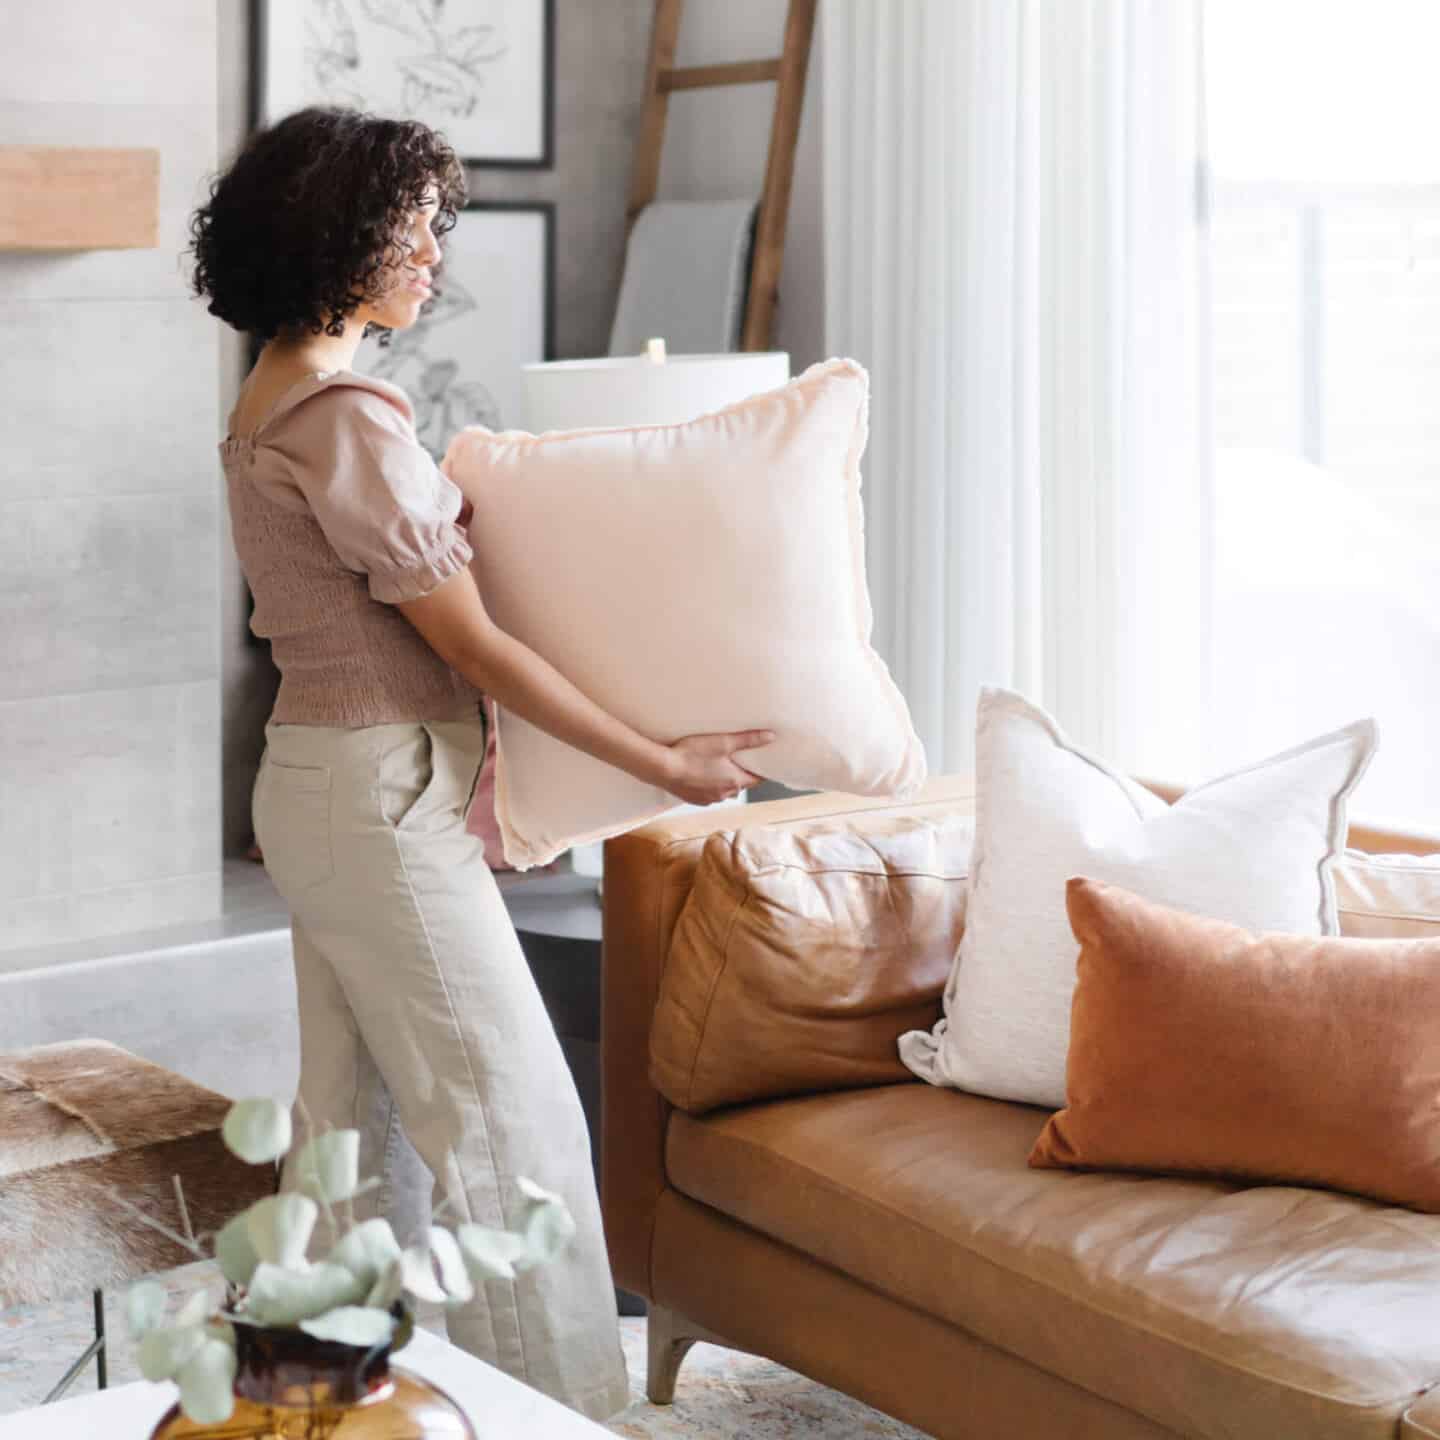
1012, 249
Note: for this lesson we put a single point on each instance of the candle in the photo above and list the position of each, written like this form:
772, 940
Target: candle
655, 349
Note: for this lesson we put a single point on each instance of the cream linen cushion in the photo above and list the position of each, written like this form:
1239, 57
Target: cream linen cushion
1388, 897
1254, 848
708, 576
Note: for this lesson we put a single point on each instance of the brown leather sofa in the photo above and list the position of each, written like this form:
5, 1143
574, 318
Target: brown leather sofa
888, 1238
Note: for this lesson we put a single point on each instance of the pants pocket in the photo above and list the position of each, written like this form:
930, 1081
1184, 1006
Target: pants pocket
406, 777
292, 824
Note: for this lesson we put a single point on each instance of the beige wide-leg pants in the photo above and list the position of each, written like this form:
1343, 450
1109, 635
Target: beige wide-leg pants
414, 996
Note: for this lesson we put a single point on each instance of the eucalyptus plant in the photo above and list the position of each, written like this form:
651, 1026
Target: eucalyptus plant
357, 1294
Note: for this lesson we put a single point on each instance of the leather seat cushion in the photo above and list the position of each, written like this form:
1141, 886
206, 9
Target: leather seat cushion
1216, 1309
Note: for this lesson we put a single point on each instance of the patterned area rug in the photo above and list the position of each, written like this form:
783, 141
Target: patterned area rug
722, 1394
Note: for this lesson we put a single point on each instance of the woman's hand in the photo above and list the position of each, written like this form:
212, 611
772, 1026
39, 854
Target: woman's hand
704, 771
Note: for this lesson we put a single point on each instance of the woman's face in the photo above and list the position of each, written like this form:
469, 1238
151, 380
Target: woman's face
408, 277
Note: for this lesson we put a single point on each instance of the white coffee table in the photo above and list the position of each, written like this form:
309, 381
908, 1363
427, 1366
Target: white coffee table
495, 1404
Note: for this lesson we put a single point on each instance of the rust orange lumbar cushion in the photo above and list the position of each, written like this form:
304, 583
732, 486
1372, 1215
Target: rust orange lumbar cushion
1196, 1046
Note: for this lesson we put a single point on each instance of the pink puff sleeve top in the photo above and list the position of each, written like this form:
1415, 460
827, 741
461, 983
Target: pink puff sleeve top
338, 513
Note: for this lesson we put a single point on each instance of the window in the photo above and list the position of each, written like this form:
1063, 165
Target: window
1324, 155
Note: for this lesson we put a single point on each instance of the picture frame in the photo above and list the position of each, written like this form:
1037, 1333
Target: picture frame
493, 311
482, 72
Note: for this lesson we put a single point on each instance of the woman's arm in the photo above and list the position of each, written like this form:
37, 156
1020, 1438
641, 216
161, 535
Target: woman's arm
454, 622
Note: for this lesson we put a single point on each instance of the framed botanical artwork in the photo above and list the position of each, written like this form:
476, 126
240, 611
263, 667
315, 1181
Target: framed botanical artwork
480, 71
493, 311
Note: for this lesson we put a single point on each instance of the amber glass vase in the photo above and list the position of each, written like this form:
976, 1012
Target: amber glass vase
290, 1386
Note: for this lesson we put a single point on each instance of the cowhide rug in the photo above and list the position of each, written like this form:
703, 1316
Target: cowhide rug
82, 1122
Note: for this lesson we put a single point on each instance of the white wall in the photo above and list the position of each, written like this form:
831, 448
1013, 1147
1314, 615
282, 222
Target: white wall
109, 499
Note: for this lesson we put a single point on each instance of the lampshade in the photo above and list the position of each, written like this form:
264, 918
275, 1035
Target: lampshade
639, 390
635, 390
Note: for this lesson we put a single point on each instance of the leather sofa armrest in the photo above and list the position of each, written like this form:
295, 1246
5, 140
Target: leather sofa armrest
648, 876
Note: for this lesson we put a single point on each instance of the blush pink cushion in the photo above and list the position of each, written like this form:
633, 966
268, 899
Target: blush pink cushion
708, 576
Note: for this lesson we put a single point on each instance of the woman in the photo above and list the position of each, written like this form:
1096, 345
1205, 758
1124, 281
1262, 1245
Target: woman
413, 991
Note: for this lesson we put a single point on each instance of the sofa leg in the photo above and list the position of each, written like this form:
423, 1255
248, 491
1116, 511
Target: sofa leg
667, 1344
669, 1337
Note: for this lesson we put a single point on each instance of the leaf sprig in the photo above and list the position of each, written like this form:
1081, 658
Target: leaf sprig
353, 1294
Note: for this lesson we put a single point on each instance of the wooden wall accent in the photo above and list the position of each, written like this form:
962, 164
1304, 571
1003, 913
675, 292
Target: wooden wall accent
63, 198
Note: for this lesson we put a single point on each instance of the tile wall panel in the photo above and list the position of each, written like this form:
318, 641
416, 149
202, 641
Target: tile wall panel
107, 398
97, 51
135, 578
116, 788
109, 499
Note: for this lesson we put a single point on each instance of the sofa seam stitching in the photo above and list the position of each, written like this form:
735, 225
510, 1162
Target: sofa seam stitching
771, 868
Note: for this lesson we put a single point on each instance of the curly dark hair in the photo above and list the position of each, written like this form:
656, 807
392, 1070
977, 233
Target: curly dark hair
298, 229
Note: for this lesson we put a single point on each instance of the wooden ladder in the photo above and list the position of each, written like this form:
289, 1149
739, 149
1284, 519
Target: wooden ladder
663, 78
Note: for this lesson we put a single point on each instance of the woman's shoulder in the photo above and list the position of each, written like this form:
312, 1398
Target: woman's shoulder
339, 392
334, 412
319, 404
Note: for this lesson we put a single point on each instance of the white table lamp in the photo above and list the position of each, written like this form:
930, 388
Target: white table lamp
640, 390
652, 388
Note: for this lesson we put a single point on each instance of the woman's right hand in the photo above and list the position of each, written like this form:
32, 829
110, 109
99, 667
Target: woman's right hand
704, 771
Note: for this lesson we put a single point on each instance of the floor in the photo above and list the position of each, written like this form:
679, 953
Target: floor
722, 1395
